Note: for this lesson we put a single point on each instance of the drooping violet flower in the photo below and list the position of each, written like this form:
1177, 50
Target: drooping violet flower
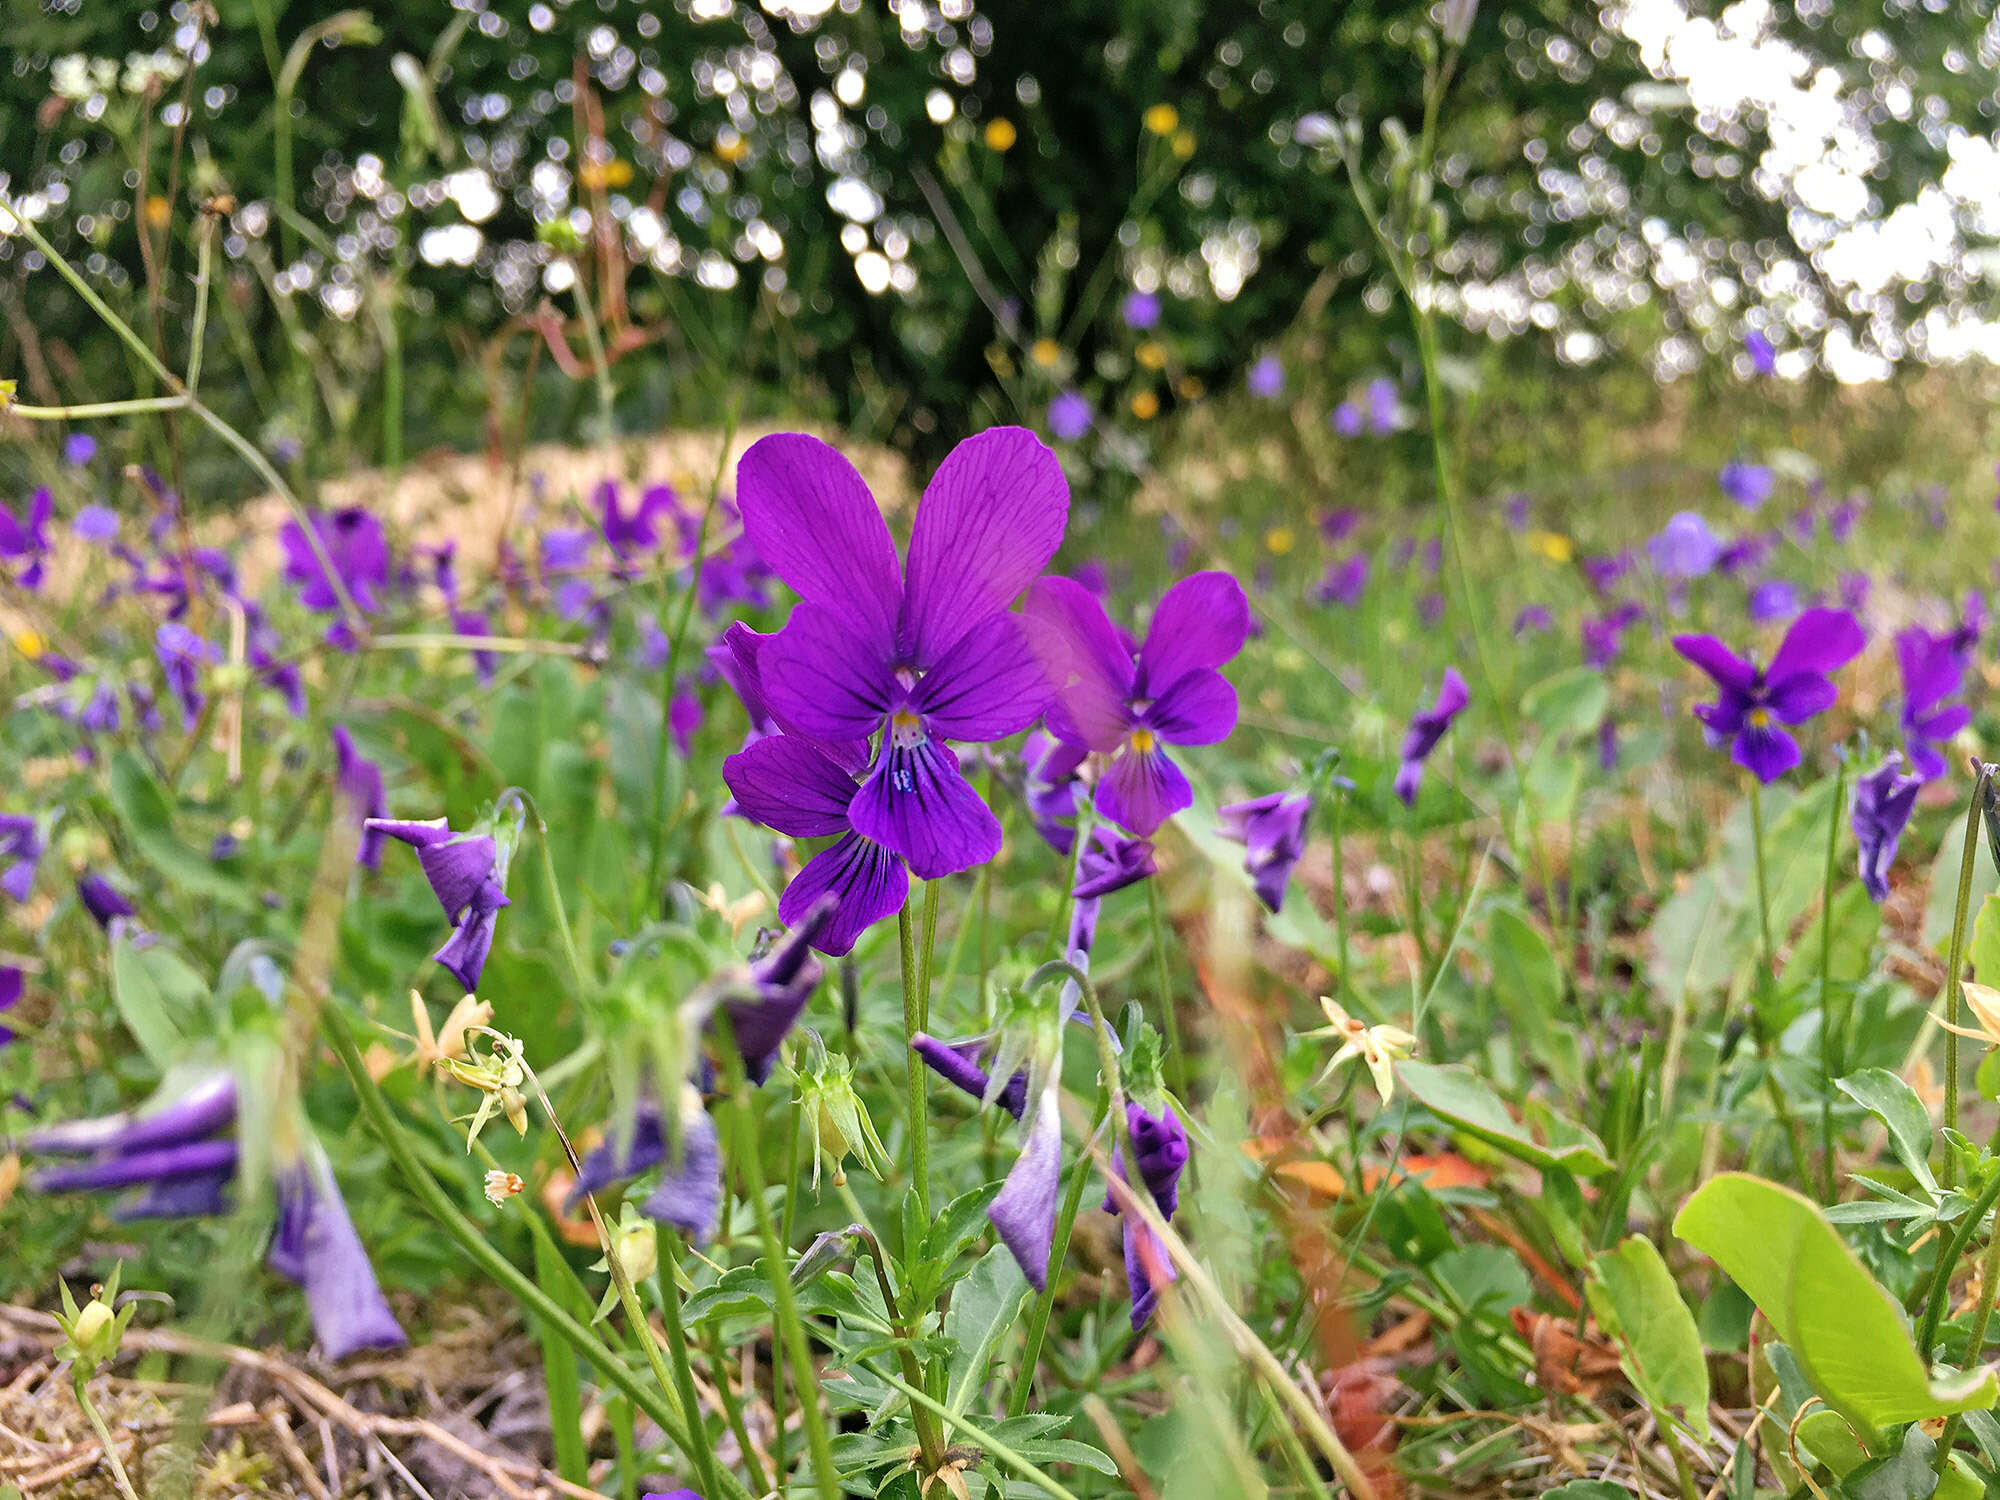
1753, 702
182, 655
1763, 354
1070, 416
1140, 310
359, 782
1110, 861
1160, 1147
24, 538
21, 845
1344, 582
1127, 705
316, 1246
180, 1152
925, 651
773, 992
1685, 547
1932, 671
1048, 786
689, 1194
1266, 378
1023, 1213
1272, 830
1884, 798
1533, 620
957, 1063
1749, 485
1604, 635
629, 535
806, 790
357, 548
95, 523
1774, 600
1427, 727
101, 899
564, 551
468, 875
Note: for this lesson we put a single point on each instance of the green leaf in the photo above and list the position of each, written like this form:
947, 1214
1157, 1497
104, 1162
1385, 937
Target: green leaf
1985, 949
1527, 980
145, 810
1635, 1299
1588, 1489
1459, 1096
1897, 1106
158, 996
1846, 1332
1685, 954
1483, 1278
1570, 703
1904, 1475
982, 1309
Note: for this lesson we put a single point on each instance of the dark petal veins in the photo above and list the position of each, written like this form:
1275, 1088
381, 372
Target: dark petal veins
823, 679
919, 805
992, 683
1765, 753
790, 785
1199, 708
1090, 708
1141, 790
866, 881
811, 518
1201, 622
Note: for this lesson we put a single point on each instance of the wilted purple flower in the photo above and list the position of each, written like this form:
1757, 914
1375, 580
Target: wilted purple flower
1753, 702
95, 523
1763, 355
1427, 727
182, 655
779, 985
805, 790
1932, 671
24, 539
1048, 786
101, 899
1347, 419
1070, 416
1023, 1214
1344, 582
21, 846
359, 782
925, 651
957, 1063
1140, 310
1160, 1147
1272, 830
79, 448
1110, 861
1883, 801
316, 1246
689, 1194
1604, 635
1773, 600
1127, 706
1749, 485
468, 874
356, 546
1266, 377
1533, 620
1685, 547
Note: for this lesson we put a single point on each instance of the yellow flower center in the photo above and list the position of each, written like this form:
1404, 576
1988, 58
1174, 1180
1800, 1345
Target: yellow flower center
1045, 352
1000, 134
1161, 119
1760, 718
1142, 741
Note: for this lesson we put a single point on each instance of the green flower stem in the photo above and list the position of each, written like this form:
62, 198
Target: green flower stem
1177, 1077
1954, 968
137, 406
1038, 1320
732, 1408
1338, 797
1947, 1261
927, 954
593, 339
198, 333
1767, 958
977, 1435
704, 1456
790, 1326
656, 1402
913, 1022
1829, 1051
1975, 1343
77, 1381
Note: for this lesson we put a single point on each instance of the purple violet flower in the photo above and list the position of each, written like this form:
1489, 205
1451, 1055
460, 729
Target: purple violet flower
356, 546
1140, 310
24, 539
12, 981
1932, 671
1685, 547
21, 846
358, 780
778, 987
1346, 419
1763, 354
1048, 786
957, 1063
688, 1196
1604, 635
1070, 416
924, 651
468, 876
1267, 377
1774, 601
1126, 705
1160, 1146
1385, 410
316, 1246
180, 1153
629, 535
1753, 702
79, 448
1884, 798
95, 523
1533, 620
1427, 727
1344, 582
182, 655
1749, 485
101, 899
1272, 830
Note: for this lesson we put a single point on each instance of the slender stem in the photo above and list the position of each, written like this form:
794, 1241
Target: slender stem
927, 954
1337, 795
1789, 1127
1954, 968
979, 1436
1038, 1320
704, 1455
732, 1407
1975, 1343
76, 1382
1829, 1052
593, 339
129, 408
790, 1326
913, 1022
198, 332
1177, 1078
1947, 1261
1763, 900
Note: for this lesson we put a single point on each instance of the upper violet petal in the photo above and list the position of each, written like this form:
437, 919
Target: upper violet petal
812, 520
1201, 621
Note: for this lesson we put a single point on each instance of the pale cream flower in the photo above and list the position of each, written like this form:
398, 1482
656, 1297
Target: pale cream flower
500, 1186
1377, 1046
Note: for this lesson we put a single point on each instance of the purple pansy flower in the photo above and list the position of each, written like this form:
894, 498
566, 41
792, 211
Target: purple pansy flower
1266, 377
1763, 354
1344, 582
1127, 705
79, 448
1070, 416
95, 523
1685, 547
1773, 601
359, 781
957, 1063
1605, 572
1604, 635
468, 876
1964, 637
1385, 410
21, 846
1932, 671
182, 655
775, 991
1427, 727
1754, 702
1048, 786
1160, 1146
356, 546
1346, 419
1749, 485
24, 539
1883, 800
12, 981
629, 535
688, 1196
924, 651
101, 899
1272, 830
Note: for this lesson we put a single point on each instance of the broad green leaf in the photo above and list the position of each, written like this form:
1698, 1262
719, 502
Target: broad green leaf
1905, 1474
146, 811
1458, 1095
159, 998
1570, 703
1527, 980
983, 1308
1686, 952
1635, 1299
1985, 949
1897, 1106
1588, 1489
1846, 1332
1856, 922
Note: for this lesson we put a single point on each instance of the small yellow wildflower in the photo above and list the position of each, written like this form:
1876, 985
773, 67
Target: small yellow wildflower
30, 644
1279, 540
1045, 352
1145, 406
158, 212
1000, 134
7, 389
1556, 547
1151, 354
1377, 1046
1161, 119
1183, 144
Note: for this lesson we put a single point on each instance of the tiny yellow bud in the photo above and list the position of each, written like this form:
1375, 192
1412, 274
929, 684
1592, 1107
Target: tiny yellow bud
1151, 354
1046, 352
1183, 144
1161, 119
94, 1333
1279, 540
1000, 134
1145, 406
639, 1249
